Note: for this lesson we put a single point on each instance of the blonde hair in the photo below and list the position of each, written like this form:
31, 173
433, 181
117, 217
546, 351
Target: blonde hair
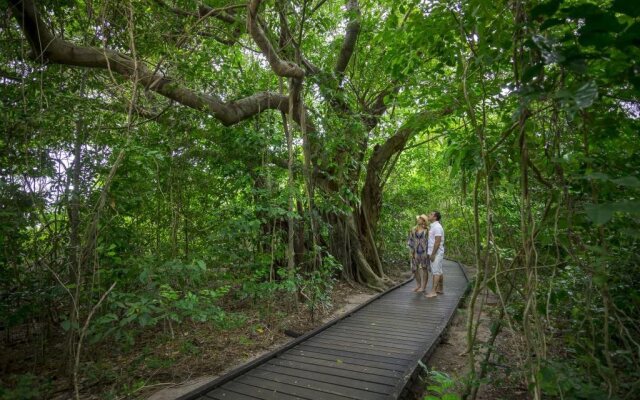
420, 224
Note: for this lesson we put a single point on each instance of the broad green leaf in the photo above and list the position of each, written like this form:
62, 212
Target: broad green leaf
630, 181
600, 214
548, 8
629, 7
597, 176
586, 94
66, 325
628, 206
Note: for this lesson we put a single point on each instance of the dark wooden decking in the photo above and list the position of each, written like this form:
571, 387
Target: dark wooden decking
370, 353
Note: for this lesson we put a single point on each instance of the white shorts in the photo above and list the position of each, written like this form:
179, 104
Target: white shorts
436, 265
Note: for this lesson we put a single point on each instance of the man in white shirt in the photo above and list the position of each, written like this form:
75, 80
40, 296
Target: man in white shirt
435, 249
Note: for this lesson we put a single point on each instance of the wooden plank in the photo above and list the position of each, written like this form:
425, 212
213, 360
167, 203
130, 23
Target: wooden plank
336, 358
368, 338
290, 389
222, 394
368, 335
356, 330
369, 347
363, 348
254, 391
403, 321
415, 321
318, 377
336, 370
420, 308
430, 307
341, 351
316, 385
342, 364
398, 332
389, 324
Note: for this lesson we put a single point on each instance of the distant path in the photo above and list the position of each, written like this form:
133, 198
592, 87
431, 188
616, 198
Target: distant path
370, 353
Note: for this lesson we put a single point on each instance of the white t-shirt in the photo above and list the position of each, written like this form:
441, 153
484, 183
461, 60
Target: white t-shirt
435, 229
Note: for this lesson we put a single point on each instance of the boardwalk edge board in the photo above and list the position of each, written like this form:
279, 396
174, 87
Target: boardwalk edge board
207, 387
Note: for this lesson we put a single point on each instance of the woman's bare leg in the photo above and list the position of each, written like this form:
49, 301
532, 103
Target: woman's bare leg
418, 280
424, 278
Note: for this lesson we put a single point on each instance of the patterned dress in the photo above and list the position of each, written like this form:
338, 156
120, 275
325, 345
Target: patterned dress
417, 242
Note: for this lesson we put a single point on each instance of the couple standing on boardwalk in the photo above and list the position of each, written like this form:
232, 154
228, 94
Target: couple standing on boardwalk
426, 243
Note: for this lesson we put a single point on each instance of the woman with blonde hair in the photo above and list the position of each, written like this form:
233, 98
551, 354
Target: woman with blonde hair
417, 243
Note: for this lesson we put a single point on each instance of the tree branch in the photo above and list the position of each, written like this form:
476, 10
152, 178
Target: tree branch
350, 38
375, 109
48, 48
279, 66
219, 13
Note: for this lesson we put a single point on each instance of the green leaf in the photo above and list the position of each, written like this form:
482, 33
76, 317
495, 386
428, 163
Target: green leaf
597, 176
66, 325
434, 388
582, 10
586, 94
628, 206
596, 39
532, 71
630, 181
629, 7
600, 214
549, 8
551, 22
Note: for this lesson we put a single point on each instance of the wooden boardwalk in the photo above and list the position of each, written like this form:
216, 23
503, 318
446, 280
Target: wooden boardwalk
369, 353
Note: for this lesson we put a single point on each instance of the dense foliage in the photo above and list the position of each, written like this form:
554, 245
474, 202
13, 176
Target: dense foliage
163, 161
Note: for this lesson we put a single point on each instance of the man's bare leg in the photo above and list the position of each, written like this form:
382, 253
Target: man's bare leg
434, 285
440, 287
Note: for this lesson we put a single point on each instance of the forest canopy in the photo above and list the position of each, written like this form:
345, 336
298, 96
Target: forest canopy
163, 161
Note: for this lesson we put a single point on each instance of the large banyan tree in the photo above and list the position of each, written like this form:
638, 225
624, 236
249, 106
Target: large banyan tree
327, 101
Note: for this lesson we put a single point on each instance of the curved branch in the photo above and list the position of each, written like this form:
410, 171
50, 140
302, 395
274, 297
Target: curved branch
205, 11
371, 196
279, 66
49, 48
374, 110
219, 13
350, 38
